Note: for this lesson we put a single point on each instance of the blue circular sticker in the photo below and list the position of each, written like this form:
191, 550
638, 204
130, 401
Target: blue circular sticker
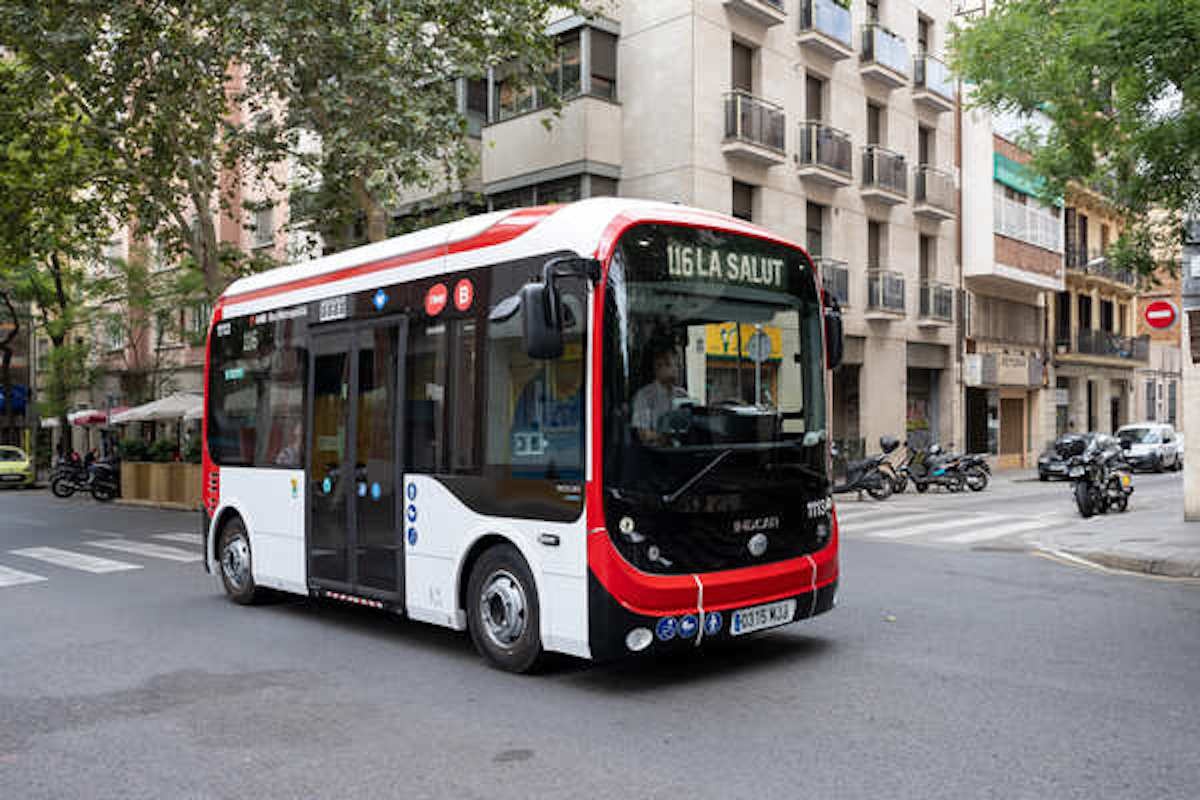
713, 622
688, 625
666, 628
412, 536
362, 490
376, 491
327, 485
412, 491
412, 513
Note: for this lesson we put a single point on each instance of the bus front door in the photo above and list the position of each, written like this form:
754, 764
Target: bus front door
355, 529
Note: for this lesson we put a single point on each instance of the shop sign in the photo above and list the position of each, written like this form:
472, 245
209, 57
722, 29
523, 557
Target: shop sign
1012, 370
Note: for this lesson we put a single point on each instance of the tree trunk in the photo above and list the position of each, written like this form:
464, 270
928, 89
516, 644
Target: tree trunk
377, 218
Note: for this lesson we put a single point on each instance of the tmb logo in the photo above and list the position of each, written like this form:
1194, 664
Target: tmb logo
820, 508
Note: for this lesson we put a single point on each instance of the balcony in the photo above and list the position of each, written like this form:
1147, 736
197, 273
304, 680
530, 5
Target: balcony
937, 305
825, 155
764, 12
884, 175
885, 294
1095, 264
587, 134
754, 129
933, 85
884, 57
933, 193
1089, 342
826, 29
835, 278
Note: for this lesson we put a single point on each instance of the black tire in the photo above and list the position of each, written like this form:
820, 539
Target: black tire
61, 487
1043, 476
235, 563
900, 485
510, 638
921, 487
104, 492
977, 479
1158, 463
1083, 499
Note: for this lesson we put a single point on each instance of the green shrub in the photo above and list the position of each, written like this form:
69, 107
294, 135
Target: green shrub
133, 450
161, 451
191, 453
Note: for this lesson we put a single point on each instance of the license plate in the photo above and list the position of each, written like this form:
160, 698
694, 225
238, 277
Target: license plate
1076, 472
748, 620
11, 477
1124, 480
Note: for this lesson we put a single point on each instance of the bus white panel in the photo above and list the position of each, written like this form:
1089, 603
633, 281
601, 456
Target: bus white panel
271, 502
446, 529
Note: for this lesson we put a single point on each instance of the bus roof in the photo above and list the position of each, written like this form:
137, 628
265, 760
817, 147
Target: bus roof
586, 227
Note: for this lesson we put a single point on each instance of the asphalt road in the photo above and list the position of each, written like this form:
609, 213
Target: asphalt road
945, 672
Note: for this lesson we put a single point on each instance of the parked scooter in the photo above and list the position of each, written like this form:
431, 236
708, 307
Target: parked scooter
929, 466
1100, 477
69, 476
873, 475
975, 470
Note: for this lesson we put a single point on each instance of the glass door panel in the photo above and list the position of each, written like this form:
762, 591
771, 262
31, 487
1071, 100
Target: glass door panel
328, 468
378, 545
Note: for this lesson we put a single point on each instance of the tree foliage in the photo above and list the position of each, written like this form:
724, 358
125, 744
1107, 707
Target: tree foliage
1118, 81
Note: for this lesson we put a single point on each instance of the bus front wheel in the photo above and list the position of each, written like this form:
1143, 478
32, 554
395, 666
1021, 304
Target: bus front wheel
502, 610
233, 553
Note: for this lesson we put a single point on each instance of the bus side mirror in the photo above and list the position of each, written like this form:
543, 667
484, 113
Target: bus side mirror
541, 321
834, 342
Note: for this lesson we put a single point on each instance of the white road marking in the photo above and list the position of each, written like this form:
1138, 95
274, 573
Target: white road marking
14, 577
146, 549
893, 522
95, 532
994, 533
957, 522
182, 538
72, 560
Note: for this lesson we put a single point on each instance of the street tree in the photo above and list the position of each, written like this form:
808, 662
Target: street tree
158, 84
372, 85
54, 192
1117, 80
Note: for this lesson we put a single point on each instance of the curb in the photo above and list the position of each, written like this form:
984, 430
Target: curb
1164, 567
166, 506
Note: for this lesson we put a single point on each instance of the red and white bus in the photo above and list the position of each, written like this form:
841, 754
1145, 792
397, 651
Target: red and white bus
593, 429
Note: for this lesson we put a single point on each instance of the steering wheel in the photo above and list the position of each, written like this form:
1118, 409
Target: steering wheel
675, 424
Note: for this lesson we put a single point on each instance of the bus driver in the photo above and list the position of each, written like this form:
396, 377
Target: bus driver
656, 399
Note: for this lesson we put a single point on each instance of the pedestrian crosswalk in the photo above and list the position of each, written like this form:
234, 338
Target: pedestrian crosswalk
86, 557
919, 524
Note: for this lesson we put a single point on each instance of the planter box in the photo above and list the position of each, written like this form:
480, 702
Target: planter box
172, 484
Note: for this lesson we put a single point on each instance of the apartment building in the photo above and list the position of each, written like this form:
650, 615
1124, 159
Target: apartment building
830, 123
1097, 350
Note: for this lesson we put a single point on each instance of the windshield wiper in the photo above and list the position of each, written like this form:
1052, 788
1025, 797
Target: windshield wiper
669, 499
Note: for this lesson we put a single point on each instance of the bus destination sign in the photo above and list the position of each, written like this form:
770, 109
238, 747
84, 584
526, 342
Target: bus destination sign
700, 262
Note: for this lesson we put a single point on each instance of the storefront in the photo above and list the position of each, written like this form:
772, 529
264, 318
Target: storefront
1002, 397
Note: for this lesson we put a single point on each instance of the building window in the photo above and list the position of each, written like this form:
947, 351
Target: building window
1062, 318
565, 75
743, 201
924, 29
872, 10
1150, 400
514, 94
114, 334
815, 228
166, 329
925, 142
604, 64
602, 187
875, 244
562, 190
1171, 402
742, 77
927, 255
874, 124
475, 104
199, 317
1106, 316
264, 227
814, 96
1021, 217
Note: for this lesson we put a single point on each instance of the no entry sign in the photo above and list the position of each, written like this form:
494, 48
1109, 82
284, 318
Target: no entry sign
1160, 314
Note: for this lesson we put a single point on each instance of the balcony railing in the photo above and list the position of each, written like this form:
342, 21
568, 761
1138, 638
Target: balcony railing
835, 278
823, 146
883, 47
1094, 262
827, 17
932, 74
1110, 345
937, 301
750, 119
884, 169
885, 291
933, 187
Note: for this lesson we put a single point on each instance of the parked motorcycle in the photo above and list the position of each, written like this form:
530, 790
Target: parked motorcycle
105, 481
975, 470
1101, 478
873, 475
929, 466
67, 478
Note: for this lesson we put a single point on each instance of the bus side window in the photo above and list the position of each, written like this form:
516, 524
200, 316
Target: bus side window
426, 398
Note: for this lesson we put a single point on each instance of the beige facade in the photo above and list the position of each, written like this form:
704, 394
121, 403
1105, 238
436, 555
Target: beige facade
803, 116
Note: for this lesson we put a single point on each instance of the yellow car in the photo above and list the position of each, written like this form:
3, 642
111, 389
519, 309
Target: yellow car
15, 467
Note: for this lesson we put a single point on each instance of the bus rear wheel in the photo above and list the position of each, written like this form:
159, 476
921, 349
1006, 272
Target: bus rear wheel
502, 610
233, 555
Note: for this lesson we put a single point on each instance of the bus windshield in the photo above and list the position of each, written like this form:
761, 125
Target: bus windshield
713, 387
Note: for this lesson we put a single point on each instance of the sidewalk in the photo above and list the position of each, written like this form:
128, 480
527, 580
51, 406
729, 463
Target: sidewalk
1153, 542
